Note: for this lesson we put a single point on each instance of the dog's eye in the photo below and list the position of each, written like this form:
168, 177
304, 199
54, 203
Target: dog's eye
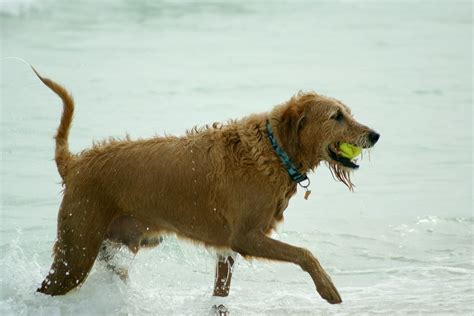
338, 116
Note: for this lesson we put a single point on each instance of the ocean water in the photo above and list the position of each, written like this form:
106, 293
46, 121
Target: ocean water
401, 244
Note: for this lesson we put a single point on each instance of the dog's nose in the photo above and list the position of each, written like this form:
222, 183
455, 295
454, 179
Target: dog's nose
374, 137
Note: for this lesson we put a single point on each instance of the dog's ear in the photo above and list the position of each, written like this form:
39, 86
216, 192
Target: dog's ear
292, 119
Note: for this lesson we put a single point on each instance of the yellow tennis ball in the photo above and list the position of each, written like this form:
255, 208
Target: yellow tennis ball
349, 151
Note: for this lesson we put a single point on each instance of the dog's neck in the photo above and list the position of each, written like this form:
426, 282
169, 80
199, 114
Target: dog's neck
293, 172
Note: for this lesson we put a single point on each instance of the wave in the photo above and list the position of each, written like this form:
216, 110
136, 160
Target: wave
16, 7
110, 8
426, 271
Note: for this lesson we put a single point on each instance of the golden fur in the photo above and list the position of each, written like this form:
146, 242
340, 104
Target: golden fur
221, 185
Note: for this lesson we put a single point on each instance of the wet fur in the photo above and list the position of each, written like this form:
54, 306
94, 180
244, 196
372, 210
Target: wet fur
222, 186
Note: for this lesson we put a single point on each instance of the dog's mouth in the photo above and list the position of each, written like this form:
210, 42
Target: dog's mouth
335, 155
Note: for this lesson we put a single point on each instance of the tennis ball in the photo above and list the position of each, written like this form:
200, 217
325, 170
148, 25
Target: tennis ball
349, 151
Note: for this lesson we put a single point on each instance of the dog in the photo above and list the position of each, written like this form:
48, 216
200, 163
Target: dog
225, 186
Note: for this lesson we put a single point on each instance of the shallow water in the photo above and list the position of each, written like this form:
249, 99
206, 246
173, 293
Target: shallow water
402, 243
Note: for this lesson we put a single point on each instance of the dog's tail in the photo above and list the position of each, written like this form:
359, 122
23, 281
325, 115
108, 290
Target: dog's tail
62, 155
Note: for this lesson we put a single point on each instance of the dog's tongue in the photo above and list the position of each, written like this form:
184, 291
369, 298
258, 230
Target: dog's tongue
349, 151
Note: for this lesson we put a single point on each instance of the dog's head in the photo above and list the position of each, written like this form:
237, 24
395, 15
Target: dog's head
311, 127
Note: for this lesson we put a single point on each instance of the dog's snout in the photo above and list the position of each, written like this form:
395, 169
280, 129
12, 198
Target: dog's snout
373, 137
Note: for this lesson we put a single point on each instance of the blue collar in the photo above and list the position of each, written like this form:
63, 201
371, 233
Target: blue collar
293, 172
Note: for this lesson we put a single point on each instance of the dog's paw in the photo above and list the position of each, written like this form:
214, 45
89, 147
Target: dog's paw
327, 290
220, 310
330, 294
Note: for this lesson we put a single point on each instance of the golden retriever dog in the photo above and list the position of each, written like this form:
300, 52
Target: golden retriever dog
225, 186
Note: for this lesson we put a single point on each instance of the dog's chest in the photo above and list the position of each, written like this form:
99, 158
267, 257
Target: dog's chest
282, 203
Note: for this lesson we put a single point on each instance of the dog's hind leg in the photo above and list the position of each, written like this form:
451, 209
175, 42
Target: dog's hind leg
133, 233
82, 226
108, 254
126, 231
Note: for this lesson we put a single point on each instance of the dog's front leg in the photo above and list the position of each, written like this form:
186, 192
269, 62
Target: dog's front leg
257, 244
223, 275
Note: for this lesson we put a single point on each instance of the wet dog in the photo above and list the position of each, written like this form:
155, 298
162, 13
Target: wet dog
225, 186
